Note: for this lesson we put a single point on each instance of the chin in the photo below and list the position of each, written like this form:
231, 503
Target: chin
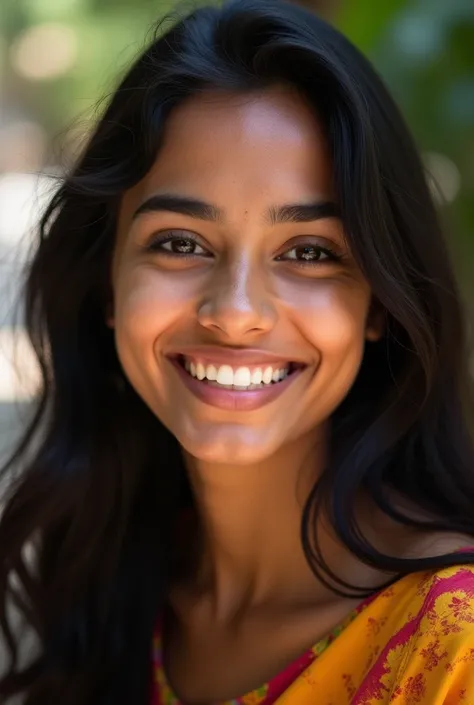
227, 446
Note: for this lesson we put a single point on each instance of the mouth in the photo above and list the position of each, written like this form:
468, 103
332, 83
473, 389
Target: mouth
240, 378
236, 388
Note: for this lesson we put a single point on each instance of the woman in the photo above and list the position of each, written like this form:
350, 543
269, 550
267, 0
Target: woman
252, 469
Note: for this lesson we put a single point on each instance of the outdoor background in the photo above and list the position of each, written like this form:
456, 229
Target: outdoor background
59, 57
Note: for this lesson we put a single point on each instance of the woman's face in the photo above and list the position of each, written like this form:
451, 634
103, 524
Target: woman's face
212, 283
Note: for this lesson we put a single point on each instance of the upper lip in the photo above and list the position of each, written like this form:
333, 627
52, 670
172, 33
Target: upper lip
234, 356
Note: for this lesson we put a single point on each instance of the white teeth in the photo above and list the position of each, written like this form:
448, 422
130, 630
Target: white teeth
211, 373
225, 375
241, 377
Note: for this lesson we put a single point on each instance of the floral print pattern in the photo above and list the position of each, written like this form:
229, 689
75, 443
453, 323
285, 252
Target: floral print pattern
412, 643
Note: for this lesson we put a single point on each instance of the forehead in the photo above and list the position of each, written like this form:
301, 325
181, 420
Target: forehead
240, 149
251, 118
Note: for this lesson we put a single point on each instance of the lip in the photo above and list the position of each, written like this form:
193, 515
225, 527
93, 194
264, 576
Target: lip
235, 357
235, 401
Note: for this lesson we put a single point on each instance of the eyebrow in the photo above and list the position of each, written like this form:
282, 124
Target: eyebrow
194, 208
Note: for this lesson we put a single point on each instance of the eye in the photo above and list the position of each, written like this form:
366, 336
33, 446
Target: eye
310, 254
176, 244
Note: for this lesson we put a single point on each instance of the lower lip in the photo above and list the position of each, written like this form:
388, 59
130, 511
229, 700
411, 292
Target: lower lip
235, 401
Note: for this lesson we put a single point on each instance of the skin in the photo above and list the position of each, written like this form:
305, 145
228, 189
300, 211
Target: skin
250, 471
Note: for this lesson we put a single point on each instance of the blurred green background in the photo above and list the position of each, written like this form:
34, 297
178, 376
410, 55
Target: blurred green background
58, 57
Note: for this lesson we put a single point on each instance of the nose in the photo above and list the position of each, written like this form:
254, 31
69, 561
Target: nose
237, 304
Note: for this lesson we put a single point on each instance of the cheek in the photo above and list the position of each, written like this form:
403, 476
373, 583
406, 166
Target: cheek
332, 316
147, 303
146, 306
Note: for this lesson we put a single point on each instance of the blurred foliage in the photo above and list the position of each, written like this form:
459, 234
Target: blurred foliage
424, 49
425, 52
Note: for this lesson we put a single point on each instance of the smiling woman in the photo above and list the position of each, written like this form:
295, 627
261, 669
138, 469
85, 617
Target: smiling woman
252, 477
266, 271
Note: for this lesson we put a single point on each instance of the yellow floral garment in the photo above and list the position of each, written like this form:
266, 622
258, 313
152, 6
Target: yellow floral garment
412, 643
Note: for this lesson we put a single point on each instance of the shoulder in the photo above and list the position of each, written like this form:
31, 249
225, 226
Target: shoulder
436, 659
439, 604
447, 593
425, 644
455, 576
446, 613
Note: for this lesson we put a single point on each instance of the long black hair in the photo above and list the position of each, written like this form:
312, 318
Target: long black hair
100, 481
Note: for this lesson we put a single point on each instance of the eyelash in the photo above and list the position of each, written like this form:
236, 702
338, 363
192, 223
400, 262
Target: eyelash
156, 247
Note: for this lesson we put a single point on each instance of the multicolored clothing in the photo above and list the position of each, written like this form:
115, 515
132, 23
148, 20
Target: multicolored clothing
412, 643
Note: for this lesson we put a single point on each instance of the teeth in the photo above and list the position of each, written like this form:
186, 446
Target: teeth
225, 375
241, 377
211, 373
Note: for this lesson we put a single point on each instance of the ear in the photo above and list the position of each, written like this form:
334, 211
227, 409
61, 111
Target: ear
375, 323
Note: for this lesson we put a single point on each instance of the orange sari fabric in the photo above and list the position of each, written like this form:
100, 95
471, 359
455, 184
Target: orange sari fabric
412, 643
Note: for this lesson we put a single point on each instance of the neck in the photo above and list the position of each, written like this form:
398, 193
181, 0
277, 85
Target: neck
249, 519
